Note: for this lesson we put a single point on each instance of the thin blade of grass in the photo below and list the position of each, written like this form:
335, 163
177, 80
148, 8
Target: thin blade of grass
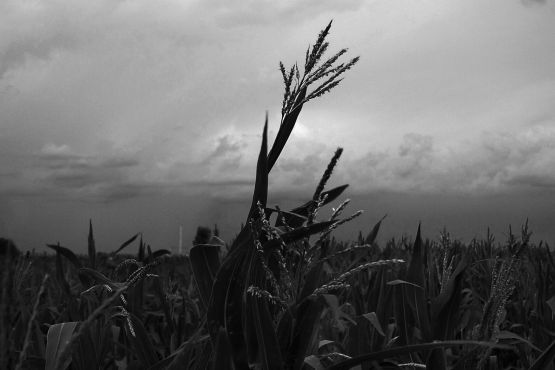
91, 247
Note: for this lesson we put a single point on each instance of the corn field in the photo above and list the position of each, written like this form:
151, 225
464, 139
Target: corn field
284, 294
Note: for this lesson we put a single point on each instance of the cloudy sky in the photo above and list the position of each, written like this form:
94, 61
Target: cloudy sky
146, 115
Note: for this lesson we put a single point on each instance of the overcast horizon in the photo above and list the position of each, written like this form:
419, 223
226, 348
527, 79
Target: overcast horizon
146, 116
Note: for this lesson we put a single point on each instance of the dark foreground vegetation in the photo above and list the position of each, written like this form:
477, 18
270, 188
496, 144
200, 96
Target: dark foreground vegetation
284, 294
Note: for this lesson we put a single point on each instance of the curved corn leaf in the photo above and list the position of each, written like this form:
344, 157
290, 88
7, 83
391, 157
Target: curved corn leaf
67, 253
159, 253
99, 277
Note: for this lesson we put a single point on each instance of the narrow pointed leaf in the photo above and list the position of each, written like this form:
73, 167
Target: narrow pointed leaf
261, 185
91, 247
416, 275
126, 243
285, 130
371, 237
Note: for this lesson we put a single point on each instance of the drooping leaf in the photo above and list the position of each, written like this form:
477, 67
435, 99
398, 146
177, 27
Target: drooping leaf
160, 252
507, 335
403, 282
67, 253
57, 339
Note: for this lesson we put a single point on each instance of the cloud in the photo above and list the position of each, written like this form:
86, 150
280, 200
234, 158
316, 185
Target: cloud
252, 12
508, 161
227, 154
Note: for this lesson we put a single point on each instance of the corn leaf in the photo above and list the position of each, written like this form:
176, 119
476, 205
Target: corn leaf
126, 243
445, 306
371, 237
140, 341
91, 247
57, 339
67, 253
417, 297
205, 263
285, 129
260, 194
223, 357
269, 352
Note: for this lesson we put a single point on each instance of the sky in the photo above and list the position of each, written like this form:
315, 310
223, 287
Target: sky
144, 116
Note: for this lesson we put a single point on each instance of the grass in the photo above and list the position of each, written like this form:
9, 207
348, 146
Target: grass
285, 294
